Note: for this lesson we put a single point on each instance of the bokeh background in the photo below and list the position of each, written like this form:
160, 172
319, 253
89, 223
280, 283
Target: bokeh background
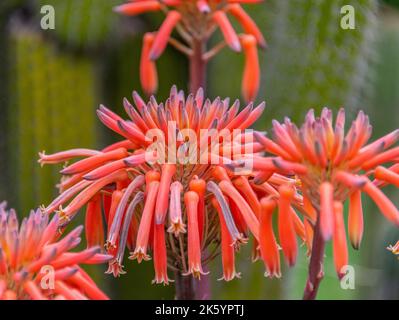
51, 82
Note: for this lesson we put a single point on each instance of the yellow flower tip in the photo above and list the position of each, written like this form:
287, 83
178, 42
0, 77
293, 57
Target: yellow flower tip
394, 248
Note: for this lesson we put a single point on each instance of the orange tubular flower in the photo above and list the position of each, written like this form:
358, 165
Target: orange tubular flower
168, 154
331, 169
195, 21
36, 265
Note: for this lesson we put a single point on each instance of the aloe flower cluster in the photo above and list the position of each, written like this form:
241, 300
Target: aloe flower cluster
394, 248
196, 21
155, 185
36, 264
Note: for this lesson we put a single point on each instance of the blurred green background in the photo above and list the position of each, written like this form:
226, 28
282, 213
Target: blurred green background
51, 82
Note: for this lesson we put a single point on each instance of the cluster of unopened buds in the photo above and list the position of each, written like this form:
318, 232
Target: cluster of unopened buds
195, 21
394, 248
158, 203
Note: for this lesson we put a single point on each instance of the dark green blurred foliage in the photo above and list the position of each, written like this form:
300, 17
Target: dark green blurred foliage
330, 287
52, 102
120, 73
310, 63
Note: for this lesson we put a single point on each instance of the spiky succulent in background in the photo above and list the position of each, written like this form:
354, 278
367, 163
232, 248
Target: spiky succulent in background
310, 62
41, 109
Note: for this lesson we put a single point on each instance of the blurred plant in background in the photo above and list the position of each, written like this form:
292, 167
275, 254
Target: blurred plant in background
310, 62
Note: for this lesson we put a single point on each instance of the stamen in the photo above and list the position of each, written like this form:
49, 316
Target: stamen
175, 214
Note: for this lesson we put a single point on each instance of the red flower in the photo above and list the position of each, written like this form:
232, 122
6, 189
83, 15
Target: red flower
36, 264
195, 21
332, 167
154, 186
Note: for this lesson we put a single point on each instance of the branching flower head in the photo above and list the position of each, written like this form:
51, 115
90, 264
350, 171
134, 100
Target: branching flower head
36, 264
333, 167
195, 21
165, 189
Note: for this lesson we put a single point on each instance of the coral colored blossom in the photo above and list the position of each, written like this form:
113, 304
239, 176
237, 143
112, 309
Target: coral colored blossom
331, 168
164, 196
195, 21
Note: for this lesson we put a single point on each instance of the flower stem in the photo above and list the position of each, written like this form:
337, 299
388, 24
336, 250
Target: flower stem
197, 66
316, 264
